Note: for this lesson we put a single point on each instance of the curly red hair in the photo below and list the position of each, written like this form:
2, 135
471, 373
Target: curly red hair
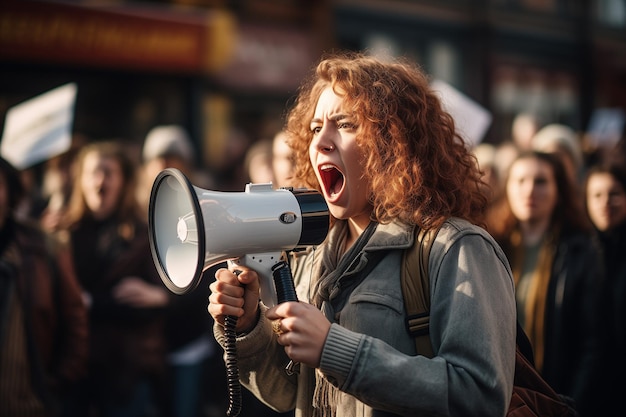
419, 168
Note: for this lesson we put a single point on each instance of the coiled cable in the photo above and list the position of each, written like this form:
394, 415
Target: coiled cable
232, 370
285, 291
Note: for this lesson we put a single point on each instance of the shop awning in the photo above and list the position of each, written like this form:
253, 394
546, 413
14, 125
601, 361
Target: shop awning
116, 36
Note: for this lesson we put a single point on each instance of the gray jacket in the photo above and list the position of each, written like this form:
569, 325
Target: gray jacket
370, 356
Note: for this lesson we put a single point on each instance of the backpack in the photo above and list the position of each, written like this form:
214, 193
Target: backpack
532, 396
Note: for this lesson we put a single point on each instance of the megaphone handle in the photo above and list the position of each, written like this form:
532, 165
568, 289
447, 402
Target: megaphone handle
283, 282
285, 291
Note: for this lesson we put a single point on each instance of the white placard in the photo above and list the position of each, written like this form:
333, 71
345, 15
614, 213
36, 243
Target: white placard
471, 119
40, 128
606, 127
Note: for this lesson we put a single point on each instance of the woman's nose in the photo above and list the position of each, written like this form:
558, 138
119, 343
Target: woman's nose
324, 142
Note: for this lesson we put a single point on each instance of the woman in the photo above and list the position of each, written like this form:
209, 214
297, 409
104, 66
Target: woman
120, 284
605, 199
541, 226
373, 138
43, 321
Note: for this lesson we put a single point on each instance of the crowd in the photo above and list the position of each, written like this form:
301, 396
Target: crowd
87, 328
558, 209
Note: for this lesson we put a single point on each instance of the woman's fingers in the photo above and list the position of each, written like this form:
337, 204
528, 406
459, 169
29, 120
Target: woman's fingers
303, 331
231, 295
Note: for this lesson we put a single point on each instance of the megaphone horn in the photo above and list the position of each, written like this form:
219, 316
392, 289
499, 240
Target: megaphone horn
192, 229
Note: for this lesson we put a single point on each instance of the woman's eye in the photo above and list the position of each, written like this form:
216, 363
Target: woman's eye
345, 125
316, 130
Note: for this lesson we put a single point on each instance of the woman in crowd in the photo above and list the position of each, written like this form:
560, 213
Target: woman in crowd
605, 198
373, 138
43, 321
121, 286
541, 225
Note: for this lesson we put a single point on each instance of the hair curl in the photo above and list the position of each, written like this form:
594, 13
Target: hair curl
419, 168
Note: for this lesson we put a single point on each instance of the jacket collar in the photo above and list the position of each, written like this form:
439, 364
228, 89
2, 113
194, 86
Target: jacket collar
394, 235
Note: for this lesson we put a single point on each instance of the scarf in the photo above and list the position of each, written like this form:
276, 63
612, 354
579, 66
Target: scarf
537, 293
331, 269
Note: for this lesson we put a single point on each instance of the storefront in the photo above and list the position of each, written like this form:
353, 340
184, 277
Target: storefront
137, 67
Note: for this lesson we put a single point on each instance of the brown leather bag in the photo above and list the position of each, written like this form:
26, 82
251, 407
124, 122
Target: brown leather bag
532, 396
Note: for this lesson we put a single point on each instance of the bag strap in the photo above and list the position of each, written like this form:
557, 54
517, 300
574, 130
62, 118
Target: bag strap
415, 289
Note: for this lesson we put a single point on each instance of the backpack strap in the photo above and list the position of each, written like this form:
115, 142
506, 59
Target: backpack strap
415, 289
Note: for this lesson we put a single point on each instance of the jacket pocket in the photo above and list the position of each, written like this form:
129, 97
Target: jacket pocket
383, 300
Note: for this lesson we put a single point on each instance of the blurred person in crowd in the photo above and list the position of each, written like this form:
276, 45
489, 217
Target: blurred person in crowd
43, 320
57, 183
121, 287
270, 160
258, 162
564, 142
168, 146
33, 203
523, 128
282, 161
505, 154
193, 355
525, 125
230, 169
605, 199
541, 225
485, 154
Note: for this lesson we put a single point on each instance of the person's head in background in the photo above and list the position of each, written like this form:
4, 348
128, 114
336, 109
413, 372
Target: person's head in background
486, 158
562, 141
104, 185
11, 190
505, 154
282, 161
538, 195
258, 162
523, 128
167, 146
605, 196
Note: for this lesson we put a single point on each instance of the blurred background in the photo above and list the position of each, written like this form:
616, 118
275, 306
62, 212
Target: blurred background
227, 69
204, 85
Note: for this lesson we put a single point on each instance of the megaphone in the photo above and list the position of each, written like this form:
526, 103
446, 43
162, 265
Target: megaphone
192, 229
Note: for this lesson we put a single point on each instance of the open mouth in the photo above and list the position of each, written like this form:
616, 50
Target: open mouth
332, 180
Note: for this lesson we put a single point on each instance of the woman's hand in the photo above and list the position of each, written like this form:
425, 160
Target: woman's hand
235, 294
303, 330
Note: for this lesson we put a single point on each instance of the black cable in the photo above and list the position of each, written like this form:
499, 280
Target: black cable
232, 370
285, 291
